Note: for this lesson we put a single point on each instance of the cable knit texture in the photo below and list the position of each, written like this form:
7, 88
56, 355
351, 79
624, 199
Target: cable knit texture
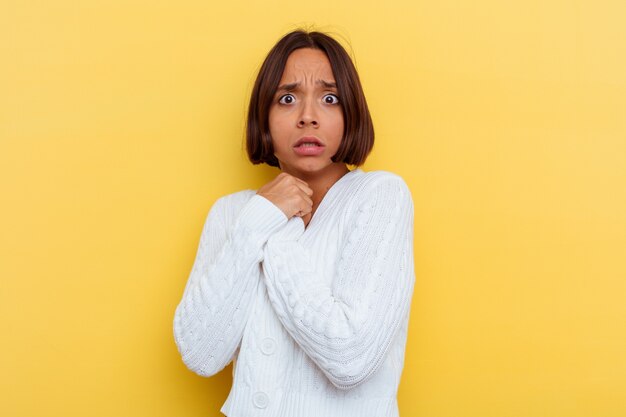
316, 318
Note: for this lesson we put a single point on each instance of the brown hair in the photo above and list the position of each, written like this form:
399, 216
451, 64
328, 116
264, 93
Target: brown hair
358, 135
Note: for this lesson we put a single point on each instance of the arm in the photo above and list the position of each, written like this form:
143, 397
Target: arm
210, 319
347, 328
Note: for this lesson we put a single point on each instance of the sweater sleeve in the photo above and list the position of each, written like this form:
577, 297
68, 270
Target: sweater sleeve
347, 328
219, 294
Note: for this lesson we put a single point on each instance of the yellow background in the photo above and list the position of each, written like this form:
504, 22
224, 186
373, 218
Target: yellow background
121, 122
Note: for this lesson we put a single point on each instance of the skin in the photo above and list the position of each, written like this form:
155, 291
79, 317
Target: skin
311, 108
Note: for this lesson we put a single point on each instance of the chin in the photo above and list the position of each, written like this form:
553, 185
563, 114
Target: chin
306, 166
313, 167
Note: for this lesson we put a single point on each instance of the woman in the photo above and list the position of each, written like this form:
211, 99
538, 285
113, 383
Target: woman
305, 283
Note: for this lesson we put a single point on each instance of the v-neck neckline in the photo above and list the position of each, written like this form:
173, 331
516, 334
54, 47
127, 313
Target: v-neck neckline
323, 203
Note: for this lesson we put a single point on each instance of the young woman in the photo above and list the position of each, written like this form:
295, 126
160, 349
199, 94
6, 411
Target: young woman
305, 283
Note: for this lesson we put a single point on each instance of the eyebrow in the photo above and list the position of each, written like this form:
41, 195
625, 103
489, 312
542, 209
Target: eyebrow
294, 86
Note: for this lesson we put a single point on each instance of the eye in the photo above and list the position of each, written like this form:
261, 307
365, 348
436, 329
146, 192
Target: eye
331, 99
287, 99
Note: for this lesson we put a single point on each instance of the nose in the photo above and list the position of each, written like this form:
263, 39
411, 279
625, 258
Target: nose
308, 115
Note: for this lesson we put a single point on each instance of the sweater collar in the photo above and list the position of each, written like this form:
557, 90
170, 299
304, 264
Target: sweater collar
330, 195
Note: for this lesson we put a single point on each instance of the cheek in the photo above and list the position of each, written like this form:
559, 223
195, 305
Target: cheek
277, 132
276, 123
338, 125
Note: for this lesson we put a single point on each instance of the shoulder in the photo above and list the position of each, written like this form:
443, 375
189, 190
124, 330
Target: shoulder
381, 195
385, 184
379, 200
228, 206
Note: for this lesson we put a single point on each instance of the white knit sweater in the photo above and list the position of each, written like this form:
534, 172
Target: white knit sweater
315, 318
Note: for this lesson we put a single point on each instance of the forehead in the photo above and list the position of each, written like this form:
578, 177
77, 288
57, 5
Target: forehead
307, 62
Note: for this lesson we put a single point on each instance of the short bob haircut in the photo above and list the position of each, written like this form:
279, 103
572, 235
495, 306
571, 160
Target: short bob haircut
358, 135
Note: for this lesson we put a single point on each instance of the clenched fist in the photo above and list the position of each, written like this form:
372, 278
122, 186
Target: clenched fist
290, 194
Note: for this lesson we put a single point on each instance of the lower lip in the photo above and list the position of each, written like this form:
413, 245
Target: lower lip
309, 150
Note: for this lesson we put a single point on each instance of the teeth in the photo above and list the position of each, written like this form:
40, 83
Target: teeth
309, 144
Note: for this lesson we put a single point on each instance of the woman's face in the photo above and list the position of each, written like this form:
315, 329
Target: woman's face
306, 105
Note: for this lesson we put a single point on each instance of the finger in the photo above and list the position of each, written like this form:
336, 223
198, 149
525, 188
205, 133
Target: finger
307, 199
305, 188
298, 180
303, 212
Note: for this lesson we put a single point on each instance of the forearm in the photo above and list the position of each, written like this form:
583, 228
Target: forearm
210, 318
347, 327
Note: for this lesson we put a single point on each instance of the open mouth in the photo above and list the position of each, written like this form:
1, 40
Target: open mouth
308, 142
309, 145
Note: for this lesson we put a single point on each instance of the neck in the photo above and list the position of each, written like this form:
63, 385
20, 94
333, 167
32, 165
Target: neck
321, 181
